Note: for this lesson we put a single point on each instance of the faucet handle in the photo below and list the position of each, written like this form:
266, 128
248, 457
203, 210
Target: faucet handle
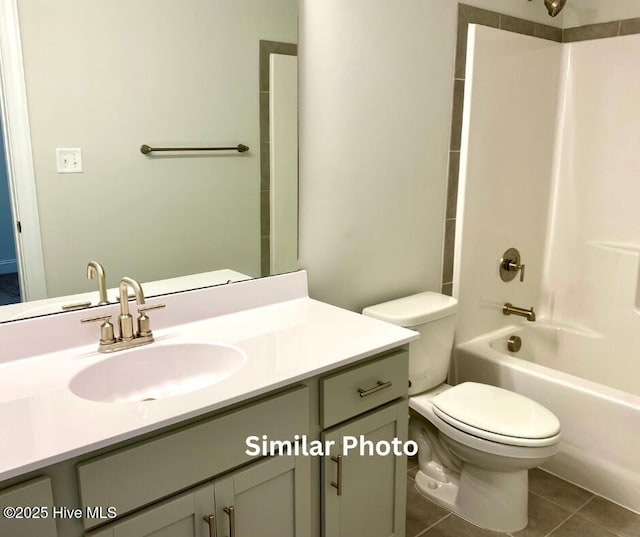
77, 306
149, 308
144, 328
514, 267
106, 328
105, 317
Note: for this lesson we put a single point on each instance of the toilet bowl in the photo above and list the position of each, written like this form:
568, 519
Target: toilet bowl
476, 442
488, 447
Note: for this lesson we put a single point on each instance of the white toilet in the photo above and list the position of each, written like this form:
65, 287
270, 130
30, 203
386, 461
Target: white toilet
476, 442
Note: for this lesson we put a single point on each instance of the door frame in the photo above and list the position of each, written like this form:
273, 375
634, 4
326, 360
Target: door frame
19, 156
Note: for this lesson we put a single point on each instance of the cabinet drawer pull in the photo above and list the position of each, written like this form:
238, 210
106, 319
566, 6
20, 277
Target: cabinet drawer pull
338, 485
211, 520
379, 386
232, 520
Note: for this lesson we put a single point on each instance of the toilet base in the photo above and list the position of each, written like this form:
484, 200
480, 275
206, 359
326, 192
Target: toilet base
480, 496
444, 494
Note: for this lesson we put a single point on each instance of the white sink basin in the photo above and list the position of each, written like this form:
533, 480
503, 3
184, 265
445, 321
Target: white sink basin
157, 372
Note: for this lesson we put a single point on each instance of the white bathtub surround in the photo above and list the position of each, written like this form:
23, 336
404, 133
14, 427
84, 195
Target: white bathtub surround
574, 351
593, 242
284, 335
545, 170
505, 171
549, 165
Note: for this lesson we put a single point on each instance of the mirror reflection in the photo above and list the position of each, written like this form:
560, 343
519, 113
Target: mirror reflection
104, 78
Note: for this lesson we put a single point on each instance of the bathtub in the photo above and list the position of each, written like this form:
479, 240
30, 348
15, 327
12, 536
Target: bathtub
571, 373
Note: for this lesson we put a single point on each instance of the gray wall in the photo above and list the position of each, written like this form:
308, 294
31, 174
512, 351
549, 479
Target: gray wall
110, 76
376, 86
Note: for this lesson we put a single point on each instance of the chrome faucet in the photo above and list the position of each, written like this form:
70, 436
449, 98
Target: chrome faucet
510, 309
125, 320
128, 338
94, 268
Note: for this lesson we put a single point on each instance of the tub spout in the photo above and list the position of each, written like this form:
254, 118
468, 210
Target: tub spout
510, 309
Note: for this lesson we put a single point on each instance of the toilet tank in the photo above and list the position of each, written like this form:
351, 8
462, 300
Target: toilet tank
433, 315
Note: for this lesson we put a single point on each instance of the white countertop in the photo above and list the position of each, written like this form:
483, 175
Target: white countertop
285, 341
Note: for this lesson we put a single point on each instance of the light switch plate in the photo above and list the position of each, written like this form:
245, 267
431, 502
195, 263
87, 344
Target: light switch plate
69, 160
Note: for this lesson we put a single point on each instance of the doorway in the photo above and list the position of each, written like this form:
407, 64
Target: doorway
9, 281
17, 176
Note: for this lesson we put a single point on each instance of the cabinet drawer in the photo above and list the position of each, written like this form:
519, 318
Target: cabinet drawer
361, 388
141, 474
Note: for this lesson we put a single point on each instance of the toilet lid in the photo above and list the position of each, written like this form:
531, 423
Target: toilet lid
495, 414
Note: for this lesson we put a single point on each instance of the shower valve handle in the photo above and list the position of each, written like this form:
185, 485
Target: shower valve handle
514, 267
510, 265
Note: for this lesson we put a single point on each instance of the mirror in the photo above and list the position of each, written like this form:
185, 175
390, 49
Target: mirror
108, 77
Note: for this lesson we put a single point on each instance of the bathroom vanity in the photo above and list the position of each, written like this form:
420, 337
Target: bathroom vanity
105, 463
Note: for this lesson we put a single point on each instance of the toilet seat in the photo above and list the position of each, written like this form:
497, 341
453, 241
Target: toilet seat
497, 415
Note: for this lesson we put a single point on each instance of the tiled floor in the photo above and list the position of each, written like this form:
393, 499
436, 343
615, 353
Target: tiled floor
556, 509
9, 289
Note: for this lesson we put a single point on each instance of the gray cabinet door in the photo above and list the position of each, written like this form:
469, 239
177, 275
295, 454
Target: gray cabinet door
34, 496
181, 516
270, 498
373, 488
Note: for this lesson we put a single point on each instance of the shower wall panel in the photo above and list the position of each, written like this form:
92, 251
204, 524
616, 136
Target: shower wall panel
511, 100
594, 236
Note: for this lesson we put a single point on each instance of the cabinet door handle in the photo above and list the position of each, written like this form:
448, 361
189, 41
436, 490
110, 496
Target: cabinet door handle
370, 391
232, 520
211, 520
338, 485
